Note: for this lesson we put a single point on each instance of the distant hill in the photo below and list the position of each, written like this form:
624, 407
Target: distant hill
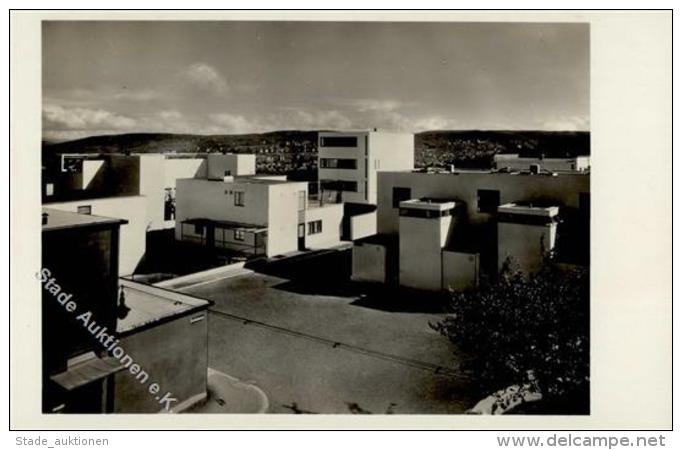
295, 152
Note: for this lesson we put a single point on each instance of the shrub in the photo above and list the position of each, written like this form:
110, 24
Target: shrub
518, 324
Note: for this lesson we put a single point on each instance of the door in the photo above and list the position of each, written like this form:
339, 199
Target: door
301, 236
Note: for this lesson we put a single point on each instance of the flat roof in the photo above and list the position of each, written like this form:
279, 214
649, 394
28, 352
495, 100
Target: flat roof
428, 203
61, 220
150, 305
249, 179
527, 208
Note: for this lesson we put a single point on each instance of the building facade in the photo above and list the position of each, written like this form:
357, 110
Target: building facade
348, 162
496, 216
254, 216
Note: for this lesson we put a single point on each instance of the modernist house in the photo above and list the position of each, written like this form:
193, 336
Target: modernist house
137, 188
152, 334
348, 163
254, 216
447, 228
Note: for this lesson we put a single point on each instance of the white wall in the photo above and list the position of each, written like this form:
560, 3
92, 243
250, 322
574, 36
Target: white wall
421, 241
564, 189
196, 198
237, 164
273, 205
152, 186
177, 168
388, 151
331, 216
283, 217
133, 235
92, 169
363, 225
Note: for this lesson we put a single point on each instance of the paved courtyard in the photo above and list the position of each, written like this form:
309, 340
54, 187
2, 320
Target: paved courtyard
314, 343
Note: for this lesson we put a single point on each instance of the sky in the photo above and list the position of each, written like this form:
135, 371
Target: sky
242, 77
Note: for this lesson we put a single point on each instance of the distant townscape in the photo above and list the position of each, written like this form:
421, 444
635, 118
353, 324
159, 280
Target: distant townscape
295, 152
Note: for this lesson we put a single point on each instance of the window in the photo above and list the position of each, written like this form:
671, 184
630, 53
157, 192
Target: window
238, 235
315, 227
338, 163
302, 195
400, 194
424, 213
339, 141
85, 209
49, 189
238, 198
338, 185
488, 201
198, 229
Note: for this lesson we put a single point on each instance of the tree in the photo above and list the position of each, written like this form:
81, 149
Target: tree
520, 325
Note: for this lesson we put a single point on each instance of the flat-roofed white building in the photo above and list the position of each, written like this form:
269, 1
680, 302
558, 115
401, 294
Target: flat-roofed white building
515, 162
498, 216
254, 216
136, 187
348, 162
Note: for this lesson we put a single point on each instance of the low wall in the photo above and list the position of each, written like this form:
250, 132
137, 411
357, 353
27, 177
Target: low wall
460, 270
369, 263
363, 225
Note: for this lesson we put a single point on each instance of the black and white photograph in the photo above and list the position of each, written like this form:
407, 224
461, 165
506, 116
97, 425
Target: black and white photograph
317, 217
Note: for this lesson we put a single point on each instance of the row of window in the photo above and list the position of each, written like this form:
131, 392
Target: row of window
339, 185
339, 141
238, 235
338, 163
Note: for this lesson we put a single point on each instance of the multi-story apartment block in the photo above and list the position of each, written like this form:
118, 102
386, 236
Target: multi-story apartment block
447, 228
348, 162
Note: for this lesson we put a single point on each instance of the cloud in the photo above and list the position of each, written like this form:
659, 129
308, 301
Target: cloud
206, 77
225, 123
304, 119
368, 104
170, 115
61, 118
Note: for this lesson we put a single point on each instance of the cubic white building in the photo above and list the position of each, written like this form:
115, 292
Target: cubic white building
254, 216
348, 162
446, 229
135, 187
